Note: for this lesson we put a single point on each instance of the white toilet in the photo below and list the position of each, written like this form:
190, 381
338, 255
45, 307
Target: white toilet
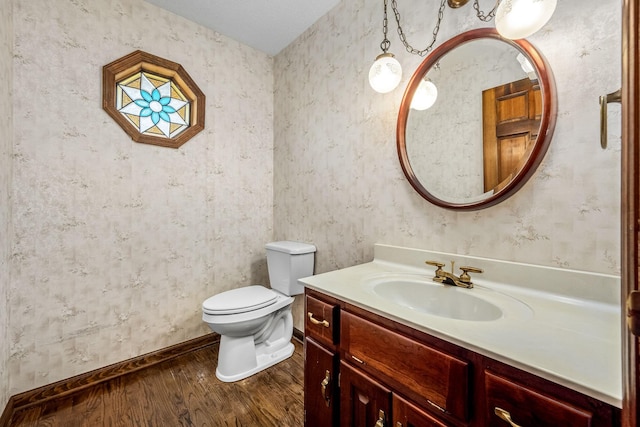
254, 322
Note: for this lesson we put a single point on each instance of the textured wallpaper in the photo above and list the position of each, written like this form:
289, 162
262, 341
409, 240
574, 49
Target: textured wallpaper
6, 54
338, 180
116, 244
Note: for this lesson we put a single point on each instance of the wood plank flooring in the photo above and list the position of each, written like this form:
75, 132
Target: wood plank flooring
181, 392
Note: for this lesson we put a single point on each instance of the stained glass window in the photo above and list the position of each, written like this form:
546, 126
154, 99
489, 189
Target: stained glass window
154, 100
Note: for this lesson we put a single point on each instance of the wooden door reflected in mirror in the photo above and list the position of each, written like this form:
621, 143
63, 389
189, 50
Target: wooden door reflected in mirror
511, 116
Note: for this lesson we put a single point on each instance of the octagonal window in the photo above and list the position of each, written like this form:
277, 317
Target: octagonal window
154, 100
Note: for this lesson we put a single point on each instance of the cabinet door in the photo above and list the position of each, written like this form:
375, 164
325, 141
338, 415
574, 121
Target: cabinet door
363, 401
320, 385
406, 414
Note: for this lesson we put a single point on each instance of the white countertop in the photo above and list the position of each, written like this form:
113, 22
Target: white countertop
571, 335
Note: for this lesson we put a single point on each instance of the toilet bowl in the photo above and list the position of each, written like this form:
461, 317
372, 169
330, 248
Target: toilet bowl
255, 323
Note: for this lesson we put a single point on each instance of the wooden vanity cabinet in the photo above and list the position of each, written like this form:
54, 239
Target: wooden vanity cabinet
380, 373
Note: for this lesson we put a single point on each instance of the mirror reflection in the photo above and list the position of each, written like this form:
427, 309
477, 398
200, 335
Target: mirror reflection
473, 121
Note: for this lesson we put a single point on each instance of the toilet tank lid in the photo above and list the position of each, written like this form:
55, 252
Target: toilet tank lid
294, 248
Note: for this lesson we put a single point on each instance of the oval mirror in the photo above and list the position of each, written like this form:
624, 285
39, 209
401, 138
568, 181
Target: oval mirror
476, 120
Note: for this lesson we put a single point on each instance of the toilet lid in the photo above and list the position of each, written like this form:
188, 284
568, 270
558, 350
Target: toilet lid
239, 300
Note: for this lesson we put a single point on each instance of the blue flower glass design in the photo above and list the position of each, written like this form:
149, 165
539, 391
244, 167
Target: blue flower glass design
154, 106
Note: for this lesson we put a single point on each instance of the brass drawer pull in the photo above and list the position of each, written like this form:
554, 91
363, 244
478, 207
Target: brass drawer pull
323, 386
324, 323
506, 416
381, 419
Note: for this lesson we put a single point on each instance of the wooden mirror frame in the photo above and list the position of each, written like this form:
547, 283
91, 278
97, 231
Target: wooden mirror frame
547, 122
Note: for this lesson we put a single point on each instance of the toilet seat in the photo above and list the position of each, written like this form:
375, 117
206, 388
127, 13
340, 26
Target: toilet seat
240, 300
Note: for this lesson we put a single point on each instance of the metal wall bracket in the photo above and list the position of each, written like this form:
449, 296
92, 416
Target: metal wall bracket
604, 100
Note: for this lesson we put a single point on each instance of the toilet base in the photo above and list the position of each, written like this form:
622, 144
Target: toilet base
242, 356
264, 361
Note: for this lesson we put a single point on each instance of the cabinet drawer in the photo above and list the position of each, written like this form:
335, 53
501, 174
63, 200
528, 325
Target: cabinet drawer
406, 414
321, 321
527, 407
430, 377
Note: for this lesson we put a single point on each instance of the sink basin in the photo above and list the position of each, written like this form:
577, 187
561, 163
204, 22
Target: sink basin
421, 294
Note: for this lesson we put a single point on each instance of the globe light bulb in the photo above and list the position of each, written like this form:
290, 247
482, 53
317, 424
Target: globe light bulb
385, 73
425, 95
517, 19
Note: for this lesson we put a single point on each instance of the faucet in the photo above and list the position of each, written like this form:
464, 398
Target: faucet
464, 281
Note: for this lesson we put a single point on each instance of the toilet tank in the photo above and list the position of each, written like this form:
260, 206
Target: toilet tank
287, 262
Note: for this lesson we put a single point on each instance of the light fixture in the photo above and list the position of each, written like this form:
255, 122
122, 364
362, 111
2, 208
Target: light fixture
517, 19
425, 95
514, 19
386, 72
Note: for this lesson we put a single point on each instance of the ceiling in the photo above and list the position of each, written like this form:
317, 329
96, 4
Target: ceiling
266, 25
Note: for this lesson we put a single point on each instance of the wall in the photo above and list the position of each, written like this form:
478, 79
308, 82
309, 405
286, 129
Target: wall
118, 243
6, 122
338, 180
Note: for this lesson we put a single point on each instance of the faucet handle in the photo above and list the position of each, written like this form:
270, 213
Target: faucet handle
464, 277
435, 263
438, 273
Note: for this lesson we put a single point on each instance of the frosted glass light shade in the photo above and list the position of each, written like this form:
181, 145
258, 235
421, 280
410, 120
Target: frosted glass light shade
385, 73
424, 96
517, 19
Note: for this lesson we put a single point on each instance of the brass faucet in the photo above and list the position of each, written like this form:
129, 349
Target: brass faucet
464, 281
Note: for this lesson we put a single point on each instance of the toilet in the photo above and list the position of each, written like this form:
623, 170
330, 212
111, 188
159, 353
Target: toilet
255, 323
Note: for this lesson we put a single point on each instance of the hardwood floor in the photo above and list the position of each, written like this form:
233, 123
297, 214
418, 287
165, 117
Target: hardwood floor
181, 392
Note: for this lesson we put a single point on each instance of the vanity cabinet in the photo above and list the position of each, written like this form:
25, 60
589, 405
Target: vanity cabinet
363, 369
